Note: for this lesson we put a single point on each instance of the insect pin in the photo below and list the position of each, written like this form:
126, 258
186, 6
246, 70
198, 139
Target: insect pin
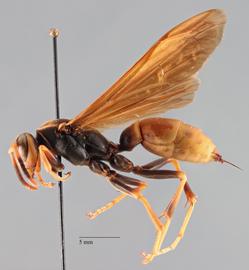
163, 79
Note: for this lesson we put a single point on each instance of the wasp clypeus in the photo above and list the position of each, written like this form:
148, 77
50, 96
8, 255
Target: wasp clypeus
164, 78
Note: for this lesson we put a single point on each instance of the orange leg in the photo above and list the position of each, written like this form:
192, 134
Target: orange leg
191, 199
127, 186
157, 164
168, 213
19, 164
153, 216
20, 177
41, 180
31, 165
155, 220
124, 184
93, 215
51, 165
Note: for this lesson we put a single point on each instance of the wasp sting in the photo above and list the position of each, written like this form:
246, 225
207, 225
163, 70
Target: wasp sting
163, 79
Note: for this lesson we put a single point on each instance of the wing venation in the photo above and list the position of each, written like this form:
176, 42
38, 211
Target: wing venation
163, 79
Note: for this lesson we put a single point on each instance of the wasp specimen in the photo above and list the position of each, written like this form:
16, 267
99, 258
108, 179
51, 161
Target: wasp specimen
163, 79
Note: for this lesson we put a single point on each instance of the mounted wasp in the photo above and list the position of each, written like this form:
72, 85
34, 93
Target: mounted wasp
163, 79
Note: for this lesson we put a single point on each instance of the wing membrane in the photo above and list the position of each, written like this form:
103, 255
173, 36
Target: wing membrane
163, 79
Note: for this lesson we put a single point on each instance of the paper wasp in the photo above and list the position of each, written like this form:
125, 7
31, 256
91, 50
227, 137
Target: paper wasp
163, 79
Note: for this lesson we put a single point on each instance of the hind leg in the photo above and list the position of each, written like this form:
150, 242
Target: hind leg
168, 212
132, 187
191, 200
161, 234
158, 163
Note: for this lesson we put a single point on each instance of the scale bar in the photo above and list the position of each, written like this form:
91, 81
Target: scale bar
99, 237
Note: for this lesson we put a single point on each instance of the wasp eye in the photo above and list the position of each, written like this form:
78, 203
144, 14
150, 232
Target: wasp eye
22, 144
24, 155
27, 148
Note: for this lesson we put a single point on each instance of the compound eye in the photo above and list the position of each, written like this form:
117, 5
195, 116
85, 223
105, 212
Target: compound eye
22, 144
24, 157
28, 149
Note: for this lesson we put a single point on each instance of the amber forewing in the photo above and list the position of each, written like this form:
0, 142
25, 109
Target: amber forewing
163, 79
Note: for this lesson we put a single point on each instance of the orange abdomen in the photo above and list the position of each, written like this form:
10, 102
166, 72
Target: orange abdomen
171, 138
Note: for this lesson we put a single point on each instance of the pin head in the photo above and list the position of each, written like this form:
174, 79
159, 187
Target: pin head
54, 32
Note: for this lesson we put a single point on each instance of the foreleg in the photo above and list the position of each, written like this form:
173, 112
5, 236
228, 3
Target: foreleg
51, 164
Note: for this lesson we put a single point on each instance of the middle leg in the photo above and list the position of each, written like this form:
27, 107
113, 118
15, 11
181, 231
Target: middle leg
94, 214
127, 186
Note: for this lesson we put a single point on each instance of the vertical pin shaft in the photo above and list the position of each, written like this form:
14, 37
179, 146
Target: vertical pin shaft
54, 33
